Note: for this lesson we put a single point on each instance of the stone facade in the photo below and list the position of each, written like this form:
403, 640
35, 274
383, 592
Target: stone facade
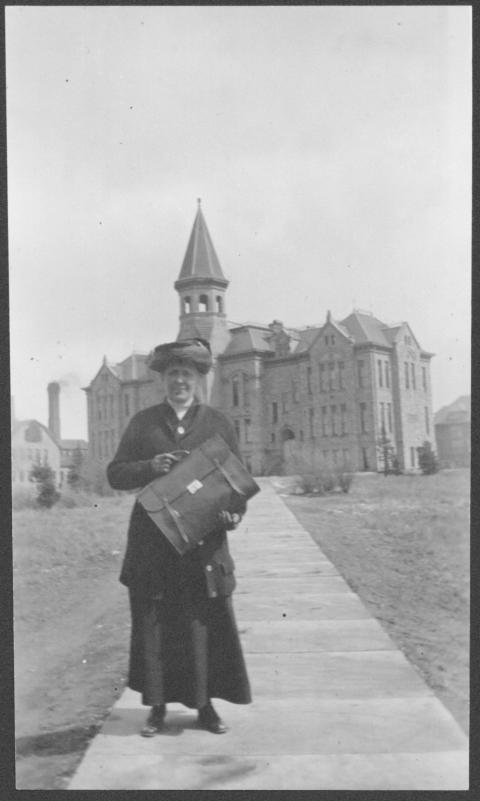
453, 433
300, 399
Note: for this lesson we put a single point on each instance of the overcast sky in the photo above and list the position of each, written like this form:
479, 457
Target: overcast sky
330, 147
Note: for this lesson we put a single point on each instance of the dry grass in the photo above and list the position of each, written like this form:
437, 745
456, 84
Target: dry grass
402, 543
55, 549
71, 632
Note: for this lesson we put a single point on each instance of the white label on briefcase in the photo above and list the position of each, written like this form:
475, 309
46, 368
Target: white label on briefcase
194, 486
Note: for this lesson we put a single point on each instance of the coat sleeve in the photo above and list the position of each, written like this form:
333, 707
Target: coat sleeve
126, 471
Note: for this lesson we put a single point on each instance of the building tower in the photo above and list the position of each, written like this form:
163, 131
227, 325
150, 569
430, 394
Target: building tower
53, 390
201, 286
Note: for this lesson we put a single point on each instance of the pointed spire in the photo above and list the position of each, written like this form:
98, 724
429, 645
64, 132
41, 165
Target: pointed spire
200, 260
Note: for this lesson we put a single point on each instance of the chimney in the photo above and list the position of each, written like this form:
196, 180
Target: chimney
53, 390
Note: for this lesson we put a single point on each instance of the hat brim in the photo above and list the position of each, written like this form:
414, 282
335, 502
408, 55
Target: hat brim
160, 363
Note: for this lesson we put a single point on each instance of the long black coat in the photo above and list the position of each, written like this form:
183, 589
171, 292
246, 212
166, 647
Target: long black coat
184, 645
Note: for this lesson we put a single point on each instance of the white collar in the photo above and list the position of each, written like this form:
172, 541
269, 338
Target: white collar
180, 411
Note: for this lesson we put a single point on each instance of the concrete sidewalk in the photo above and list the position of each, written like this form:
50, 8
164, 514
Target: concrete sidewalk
336, 706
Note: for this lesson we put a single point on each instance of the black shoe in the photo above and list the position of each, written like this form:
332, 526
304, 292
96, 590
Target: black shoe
154, 722
209, 720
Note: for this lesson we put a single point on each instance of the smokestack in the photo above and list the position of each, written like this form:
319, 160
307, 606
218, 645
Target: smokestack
53, 390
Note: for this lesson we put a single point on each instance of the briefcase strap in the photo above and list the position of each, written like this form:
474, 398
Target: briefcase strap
176, 519
228, 478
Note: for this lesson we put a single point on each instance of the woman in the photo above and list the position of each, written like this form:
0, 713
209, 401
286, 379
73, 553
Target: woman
184, 641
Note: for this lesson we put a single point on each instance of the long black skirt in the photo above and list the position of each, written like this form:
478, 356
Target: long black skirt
185, 647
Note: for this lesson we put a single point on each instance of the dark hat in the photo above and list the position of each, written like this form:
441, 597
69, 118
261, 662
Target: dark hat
195, 352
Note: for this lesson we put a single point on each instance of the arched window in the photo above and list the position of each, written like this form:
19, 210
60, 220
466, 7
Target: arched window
187, 306
219, 301
287, 434
203, 303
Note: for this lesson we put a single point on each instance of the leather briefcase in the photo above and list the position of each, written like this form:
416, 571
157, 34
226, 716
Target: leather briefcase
185, 502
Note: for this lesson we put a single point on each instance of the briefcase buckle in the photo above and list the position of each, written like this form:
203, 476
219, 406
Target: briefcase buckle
194, 486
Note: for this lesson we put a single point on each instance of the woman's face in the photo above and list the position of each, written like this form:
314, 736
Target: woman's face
181, 382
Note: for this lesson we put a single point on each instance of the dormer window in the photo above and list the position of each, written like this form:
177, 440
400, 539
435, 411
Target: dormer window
203, 303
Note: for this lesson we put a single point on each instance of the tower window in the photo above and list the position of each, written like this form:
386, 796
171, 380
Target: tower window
333, 410
324, 421
187, 305
219, 302
380, 374
363, 417
361, 374
331, 374
235, 391
203, 303
321, 369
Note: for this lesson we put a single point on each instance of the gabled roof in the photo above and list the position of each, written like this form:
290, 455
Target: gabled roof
366, 328
306, 338
133, 368
200, 260
458, 411
391, 332
18, 425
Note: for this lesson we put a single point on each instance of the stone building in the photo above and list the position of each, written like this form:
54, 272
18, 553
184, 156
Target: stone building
453, 433
320, 396
34, 443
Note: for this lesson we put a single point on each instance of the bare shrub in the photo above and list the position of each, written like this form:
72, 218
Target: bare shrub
308, 483
327, 480
344, 480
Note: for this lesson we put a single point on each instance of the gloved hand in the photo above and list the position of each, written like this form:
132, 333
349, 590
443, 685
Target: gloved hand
162, 462
229, 520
